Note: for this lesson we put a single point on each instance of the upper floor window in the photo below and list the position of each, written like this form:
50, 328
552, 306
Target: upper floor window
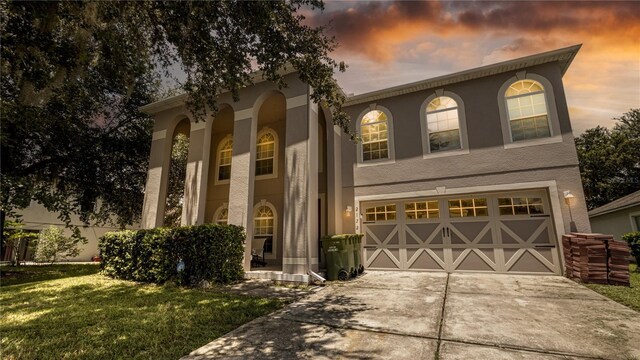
225, 150
374, 136
443, 124
527, 110
375, 126
266, 153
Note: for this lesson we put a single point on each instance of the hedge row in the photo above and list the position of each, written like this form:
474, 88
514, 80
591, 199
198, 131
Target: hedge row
208, 252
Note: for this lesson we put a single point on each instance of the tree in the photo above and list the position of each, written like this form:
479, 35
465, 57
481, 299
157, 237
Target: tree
175, 186
610, 160
54, 246
75, 73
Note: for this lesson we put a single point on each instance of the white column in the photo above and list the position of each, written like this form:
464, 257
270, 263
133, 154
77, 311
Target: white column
155, 191
242, 177
300, 187
204, 181
192, 182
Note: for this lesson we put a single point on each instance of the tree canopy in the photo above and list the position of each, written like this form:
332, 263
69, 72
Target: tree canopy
75, 73
610, 160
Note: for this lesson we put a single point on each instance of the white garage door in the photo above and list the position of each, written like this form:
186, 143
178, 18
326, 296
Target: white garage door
502, 233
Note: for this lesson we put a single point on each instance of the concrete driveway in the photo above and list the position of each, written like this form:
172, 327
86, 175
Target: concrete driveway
403, 315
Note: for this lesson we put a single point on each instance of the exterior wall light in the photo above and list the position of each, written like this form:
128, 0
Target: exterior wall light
569, 198
349, 210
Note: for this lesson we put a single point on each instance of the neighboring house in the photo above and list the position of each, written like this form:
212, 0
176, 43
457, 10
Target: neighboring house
618, 217
463, 172
36, 217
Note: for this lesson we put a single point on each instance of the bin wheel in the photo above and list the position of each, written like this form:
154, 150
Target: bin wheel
361, 269
343, 275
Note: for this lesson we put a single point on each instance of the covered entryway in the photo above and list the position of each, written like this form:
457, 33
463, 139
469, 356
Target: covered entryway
508, 232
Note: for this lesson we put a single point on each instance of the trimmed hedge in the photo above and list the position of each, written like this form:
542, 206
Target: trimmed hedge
209, 252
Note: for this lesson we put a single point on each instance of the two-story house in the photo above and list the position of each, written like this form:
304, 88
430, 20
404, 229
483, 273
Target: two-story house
464, 172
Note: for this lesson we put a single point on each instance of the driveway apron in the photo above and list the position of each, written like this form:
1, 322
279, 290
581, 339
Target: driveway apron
413, 315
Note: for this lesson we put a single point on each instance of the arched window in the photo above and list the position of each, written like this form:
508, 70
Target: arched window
443, 125
222, 216
266, 153
264, 225
527, 110
225, 150
375, 131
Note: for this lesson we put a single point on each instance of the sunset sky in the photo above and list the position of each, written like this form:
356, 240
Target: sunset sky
391, 43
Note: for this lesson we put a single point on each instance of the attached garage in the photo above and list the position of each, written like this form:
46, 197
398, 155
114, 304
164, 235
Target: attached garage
507, 232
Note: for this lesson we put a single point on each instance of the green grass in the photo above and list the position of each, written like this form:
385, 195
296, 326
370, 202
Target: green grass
95, 317
629, 296
14, 275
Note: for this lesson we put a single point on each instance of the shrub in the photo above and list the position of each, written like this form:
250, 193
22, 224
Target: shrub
209, 252
633, 239
53, 246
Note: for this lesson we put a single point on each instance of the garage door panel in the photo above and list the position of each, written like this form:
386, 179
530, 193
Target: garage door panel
385, 259
425, 259
382, 234
468, 232
422, 233
522, 229
472, 260
528, 262
487, 233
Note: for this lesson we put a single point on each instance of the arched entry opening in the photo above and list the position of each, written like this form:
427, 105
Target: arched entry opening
177, 174
219, 175
269, 171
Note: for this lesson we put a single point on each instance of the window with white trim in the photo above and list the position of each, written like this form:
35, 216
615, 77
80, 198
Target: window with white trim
443, 124
263, 225
375, 133
266, 153
527, 110
225, 151
380, 213
468, 207
422, 210
520, 206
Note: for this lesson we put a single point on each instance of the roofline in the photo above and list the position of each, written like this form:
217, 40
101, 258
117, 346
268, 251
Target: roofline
179, 100
564, 55
612, 210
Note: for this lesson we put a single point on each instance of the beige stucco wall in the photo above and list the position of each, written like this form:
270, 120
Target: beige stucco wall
36, 217
616, 223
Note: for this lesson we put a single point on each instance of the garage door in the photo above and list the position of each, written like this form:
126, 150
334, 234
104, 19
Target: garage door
502, 233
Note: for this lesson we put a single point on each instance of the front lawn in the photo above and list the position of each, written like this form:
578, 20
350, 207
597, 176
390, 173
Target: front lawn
95, 317
629, 296
14, 275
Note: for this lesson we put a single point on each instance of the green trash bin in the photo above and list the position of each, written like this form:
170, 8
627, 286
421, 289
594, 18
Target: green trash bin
338, 258
351, 248
357, 252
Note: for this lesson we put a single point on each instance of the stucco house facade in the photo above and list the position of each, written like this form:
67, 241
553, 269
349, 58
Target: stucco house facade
463, 172
618, 217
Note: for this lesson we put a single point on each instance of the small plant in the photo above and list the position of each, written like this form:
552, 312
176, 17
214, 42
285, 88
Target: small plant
54, 246
633, 239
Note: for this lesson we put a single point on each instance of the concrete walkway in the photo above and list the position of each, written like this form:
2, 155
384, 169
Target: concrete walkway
403, 315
